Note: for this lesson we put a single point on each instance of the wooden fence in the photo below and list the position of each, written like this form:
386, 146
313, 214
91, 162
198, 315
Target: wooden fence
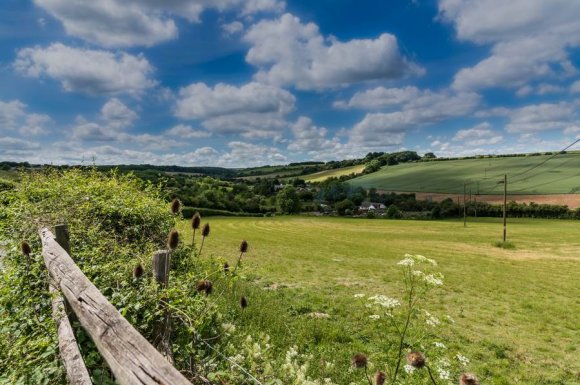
131, 358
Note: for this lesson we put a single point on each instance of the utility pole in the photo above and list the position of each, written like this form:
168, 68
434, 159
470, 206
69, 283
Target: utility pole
464, 205
504, 206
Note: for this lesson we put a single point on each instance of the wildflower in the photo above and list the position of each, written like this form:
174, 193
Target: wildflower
359, 361
243, 302
462, 359
359, 295
175, 206
407, 261
380, 378
384, 301
226, 267
374, 316
468, 379
440, 345
243, 246
408, 369
173, 240
416, 359
25, 248
431, 320
228, 328
205, 231
195, 221
138, 271
205, 286
444, 373
450, 319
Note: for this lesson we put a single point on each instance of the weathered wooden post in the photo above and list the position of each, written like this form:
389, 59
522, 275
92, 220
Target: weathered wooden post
161, 268
76, 371
161, 264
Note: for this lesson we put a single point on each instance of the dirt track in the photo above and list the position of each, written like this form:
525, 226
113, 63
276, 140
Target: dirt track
571, 200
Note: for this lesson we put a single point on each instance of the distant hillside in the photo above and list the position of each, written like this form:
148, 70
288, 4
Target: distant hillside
557, 175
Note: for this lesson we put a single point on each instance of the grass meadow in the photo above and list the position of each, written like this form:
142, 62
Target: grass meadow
560, 175
516, 311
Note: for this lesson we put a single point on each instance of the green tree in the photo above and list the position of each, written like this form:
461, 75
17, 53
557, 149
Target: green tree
288, 201
343, 206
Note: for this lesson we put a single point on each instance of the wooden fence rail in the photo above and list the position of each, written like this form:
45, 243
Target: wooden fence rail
132, 359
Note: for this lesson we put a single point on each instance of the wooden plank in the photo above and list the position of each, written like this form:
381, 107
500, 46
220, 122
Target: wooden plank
132, 359
76, 371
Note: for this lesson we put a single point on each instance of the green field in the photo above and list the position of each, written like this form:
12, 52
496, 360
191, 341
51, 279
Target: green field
515, 311
323, 175
560, 175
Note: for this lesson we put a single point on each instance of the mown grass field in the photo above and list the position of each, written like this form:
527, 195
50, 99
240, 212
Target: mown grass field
323, 175
516, 311
560, 175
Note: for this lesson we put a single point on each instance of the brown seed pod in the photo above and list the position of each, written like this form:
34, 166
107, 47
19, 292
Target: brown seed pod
243, 246
173, 240
205, 230
25, 248
416, 359
138, 271
195, 221
226, 267
175, 206
243, 302
468, 379
359, 361
205, 286
380, 378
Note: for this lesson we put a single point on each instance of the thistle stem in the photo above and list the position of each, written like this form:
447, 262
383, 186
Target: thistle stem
430, 375
239, 260
201, 247
367, 376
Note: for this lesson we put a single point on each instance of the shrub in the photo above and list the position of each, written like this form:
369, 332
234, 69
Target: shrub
393, 212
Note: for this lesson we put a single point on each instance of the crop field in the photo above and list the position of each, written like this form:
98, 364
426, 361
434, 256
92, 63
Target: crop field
560, 175
323, 175
515, 311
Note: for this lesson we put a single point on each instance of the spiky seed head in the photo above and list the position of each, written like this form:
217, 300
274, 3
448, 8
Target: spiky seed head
359, 361
205, 286
205, 230
380, 378
416, 359
243, 302
244, 246
195, 221
173, 240
226, 267
25, 248
175, 206
138, 271
468, 379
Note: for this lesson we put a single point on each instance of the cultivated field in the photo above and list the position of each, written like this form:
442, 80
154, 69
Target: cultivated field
560, 175
323, 175
515, 311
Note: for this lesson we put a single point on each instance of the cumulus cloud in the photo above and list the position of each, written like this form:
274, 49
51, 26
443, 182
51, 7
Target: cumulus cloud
85, 70
126, 23
479, 135
250, 154
530, 39
252, 110
288, 52
310, 138
117, 114
187, 132
542, 117
15, 118
232, 28
379, 97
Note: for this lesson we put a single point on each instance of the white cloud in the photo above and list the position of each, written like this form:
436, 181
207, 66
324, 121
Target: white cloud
117, 114
310, 138
15, 118
10, 145
479, 135
252, 110
85, 70
575, 87
530, 39
541, 117
380, 97
232, 28
288, 52
126, 23
186, 131
244, 154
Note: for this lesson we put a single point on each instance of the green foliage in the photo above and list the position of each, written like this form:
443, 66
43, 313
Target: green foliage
288, 201
504, 245
344, 205
393, 212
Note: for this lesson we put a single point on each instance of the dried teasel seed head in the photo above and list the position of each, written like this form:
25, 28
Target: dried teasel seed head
226, 267
25, 248
380, 378
175, 206
138, 271
195, 221
205, 230
205, 286
468, 379
173, 240
359, 361
243, 246
416, 359
243, 302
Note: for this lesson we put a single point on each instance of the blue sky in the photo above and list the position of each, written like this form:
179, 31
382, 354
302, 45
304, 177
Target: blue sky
250, 82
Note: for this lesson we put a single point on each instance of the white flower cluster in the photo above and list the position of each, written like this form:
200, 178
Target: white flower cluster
431, 320
440, 345
359, 295
411, 260
409, 369
384, 301
462, 359
430, 279
443, 369
295, 373
374, 316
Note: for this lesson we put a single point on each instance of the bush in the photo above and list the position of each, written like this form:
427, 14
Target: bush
393, 212
188, 213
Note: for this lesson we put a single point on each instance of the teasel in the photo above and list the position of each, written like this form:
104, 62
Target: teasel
26, 250
468, 379
205, 285
243, 302
173, 240
380, 378
360, 361
416, 360
195, 222
243, 249
204, 233
175, 206
138, 271
226, 267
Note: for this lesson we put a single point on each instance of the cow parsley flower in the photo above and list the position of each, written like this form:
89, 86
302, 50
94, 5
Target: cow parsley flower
374, 316
407, 261
462, 359
359, 295
435, 280
384, 301
409, 369
440, 345
431, 320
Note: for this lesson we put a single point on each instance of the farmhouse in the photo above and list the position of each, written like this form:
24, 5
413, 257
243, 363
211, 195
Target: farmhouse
371, 206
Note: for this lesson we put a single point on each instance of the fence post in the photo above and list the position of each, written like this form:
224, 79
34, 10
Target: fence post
161, 268
76, 371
